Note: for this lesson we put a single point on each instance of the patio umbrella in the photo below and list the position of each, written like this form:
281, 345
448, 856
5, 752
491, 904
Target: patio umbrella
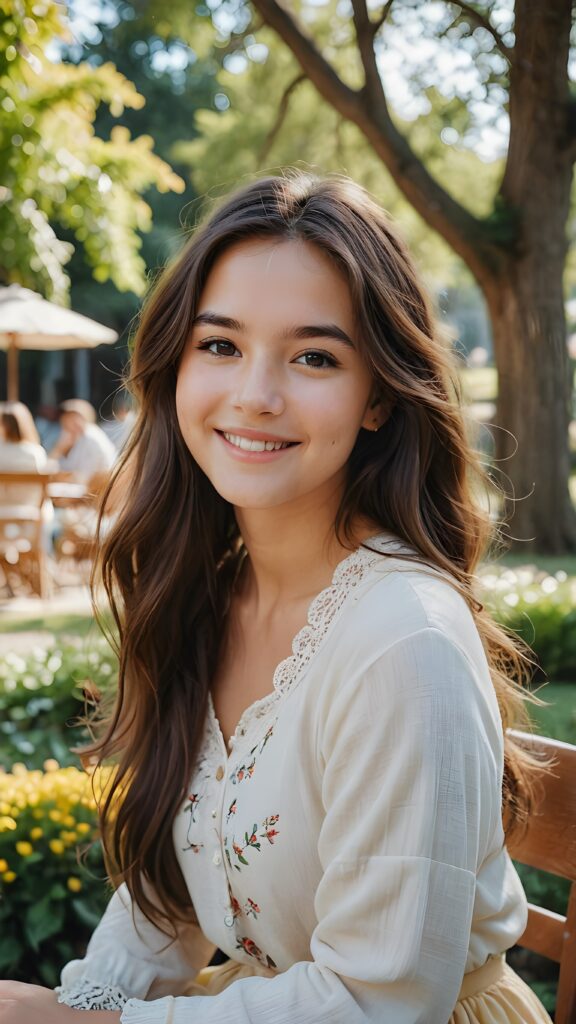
27, 321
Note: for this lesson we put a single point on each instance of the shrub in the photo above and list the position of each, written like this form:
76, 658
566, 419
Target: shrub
541, 608
41, 696
52, 878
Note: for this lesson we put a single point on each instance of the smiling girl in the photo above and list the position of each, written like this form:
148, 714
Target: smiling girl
309, 722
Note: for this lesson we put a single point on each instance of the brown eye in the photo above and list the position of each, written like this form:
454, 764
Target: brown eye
316, 360
218, 347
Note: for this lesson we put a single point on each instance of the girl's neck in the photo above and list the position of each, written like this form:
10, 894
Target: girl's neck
291, 557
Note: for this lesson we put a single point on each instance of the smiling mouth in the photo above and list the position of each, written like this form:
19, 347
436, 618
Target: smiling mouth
249, 444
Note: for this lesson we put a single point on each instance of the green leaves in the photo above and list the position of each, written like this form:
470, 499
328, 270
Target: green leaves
55, 173
42, 920
42, 697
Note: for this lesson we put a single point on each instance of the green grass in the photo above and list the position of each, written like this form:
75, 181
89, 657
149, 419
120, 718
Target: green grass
68, 625
549, 563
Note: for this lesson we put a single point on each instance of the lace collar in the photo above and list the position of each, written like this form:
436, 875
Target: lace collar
322, 614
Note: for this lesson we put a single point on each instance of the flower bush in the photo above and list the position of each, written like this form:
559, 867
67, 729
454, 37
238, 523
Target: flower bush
541, 608
41, 696
52, 878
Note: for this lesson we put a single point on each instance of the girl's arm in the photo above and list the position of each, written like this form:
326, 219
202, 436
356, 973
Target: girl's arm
32, 1004
128, 957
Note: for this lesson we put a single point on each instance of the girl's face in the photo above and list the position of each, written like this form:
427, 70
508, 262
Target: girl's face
271, 389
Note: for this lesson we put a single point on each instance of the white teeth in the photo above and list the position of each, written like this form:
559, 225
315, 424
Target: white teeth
250, 445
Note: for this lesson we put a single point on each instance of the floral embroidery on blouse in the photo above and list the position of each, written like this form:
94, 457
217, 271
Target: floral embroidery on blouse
190, 808
231, 810
249, 946
245, 771
192, 804
250, 908
251, 841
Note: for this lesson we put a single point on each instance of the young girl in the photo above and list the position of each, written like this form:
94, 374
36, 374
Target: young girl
309, 724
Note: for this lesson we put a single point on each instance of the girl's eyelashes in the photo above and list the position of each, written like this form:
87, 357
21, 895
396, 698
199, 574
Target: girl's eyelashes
218, 347
315, 359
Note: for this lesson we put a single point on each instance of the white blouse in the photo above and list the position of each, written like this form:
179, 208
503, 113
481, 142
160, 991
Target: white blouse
349, 846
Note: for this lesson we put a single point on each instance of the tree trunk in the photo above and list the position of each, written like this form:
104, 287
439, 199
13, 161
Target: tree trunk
525, 300
533, 408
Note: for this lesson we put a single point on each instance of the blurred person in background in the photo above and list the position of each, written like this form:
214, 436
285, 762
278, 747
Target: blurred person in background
82, 447
20, 448
21, 452
47, 420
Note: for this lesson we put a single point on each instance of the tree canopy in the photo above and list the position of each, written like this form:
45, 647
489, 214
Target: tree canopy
58, 178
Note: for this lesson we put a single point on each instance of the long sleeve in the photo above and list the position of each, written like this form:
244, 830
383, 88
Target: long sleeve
128, 957
409, 769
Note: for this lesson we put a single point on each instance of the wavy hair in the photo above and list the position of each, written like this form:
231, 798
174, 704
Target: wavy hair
169, 561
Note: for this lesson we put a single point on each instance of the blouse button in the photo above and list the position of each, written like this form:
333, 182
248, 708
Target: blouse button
217, 859
214, 813
228, 920
219, 773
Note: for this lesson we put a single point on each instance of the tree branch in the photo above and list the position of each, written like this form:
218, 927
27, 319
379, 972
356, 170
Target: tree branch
482, 21
365, 36
313, 64
368, 110
280, 118
377, 25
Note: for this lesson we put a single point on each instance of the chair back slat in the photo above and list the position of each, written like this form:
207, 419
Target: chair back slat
566, 999
544, 933
549, 843
22, 554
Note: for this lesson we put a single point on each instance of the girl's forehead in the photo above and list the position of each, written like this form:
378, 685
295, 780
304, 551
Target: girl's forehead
285, 274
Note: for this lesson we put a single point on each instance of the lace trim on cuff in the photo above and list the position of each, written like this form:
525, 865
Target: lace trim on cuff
87, 995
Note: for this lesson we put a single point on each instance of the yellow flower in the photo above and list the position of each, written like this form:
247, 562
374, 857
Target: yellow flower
74, 884
68, 837
56, 845
24, 848
3, 865
9, 876
54, 815
69, 820
7, 824
19, 769
36, 833
83, 827
50, 765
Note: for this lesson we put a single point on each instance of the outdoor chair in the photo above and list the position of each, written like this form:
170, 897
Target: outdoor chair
549, 843
23, 557
78, 541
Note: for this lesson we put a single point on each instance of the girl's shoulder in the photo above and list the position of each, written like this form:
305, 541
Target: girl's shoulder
392, 595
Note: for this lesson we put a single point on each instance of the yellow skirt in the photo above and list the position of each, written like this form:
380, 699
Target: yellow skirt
493, 994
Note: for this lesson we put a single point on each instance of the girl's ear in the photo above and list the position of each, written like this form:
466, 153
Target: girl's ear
377, 412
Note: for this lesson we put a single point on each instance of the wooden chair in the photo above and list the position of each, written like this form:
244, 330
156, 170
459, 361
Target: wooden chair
78, 540
22, 548
549, 843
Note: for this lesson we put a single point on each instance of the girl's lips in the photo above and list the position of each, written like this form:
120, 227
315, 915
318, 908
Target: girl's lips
244, 455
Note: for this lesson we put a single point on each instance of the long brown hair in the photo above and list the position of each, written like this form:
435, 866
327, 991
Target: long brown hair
168, 563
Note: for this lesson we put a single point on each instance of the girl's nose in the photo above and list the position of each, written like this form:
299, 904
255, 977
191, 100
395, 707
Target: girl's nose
259, 391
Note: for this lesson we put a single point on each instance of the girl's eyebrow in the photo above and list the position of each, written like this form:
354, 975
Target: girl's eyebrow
304, 332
